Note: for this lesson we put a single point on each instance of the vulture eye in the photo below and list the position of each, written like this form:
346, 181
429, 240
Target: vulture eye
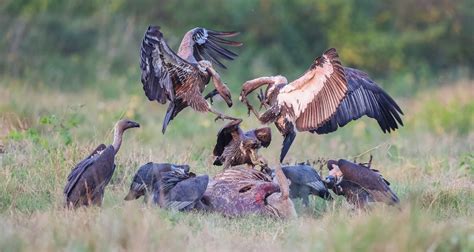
245, 189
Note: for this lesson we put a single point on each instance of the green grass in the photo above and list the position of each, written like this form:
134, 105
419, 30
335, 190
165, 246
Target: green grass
430, 163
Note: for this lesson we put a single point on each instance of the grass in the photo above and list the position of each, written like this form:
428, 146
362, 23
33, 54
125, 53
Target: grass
43, 133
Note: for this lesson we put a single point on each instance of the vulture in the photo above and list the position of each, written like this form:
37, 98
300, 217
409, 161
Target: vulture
305, 180
180, 190
87, 181
325, 97
146, 176
236, 147
239, 191
359, 184
181, 78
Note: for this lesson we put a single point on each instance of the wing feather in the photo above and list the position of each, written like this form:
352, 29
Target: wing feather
209, 45
224, 137
313, 98
364, 97
162, 69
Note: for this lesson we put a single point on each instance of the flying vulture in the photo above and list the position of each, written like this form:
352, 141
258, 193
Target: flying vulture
146, 176
326, 97
180, 78
236, 147
87, 181
305, 181
359, 184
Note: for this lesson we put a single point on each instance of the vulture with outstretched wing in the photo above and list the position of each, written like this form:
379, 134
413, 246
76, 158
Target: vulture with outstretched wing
181, 78
87, 181
359, 184
236, 147
326, 97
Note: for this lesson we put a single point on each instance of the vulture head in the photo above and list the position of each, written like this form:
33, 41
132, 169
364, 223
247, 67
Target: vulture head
125, 124
264, 135
335, 174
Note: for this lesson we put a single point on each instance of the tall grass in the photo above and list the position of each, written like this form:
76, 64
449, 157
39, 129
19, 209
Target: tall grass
430, 163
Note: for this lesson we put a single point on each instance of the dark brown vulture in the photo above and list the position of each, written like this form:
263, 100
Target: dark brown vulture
359, 184
146, 176
305, 181
181, 78
240, 191
87, 181
181, 190
236, 147
326, 97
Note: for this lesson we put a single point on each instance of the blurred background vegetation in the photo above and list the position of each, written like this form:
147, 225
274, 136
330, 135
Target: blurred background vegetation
70, 45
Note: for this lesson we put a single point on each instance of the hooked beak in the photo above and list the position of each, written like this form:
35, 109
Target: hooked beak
229, 102
134, 125
330, 181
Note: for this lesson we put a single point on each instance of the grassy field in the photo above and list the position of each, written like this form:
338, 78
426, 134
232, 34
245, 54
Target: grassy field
43, 133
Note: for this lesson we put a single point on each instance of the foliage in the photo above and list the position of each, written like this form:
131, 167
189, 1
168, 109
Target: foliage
72, 44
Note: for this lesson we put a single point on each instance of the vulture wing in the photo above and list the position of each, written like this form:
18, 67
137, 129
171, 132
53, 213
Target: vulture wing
242, 174
204, 44
313, 98
186, 193
77, 171
95, 171
163, 70
364, 97
224, 137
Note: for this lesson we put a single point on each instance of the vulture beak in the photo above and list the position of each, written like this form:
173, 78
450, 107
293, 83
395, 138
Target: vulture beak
330, 181
134, 124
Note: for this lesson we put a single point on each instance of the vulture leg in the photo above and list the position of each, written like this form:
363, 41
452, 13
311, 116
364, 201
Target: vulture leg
221, 88
211, 94
221, 116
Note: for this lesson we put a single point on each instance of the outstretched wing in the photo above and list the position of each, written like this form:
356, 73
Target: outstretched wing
204, 44
314, 97
225, 136
364, 97
162, 70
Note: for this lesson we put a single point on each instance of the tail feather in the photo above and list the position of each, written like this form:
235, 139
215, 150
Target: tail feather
168, 117
289, 138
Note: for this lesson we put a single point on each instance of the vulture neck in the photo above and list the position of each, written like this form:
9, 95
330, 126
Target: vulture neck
283, 183
185, 49
118, 133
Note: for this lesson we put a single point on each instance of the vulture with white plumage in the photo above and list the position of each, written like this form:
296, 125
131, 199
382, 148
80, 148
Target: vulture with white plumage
326, 97
87, 181
236, 147
181, 78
